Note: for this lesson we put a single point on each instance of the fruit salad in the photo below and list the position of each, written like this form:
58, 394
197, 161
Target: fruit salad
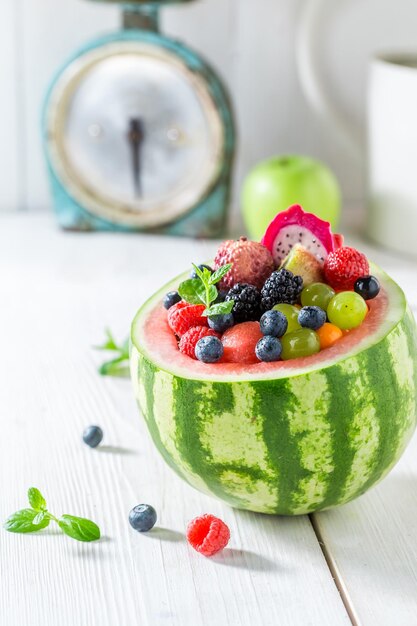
294, 294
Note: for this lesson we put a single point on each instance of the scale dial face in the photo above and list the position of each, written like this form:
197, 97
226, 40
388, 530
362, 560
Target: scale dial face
134, 135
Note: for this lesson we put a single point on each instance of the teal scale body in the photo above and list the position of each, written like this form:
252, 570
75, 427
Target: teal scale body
197, 212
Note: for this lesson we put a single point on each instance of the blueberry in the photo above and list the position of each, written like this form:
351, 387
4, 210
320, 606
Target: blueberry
368, 287
268, 349
274, 323
200, 267
142, 517
312, 317
93, 436
221, 296
220, 323
209, 349
171, 298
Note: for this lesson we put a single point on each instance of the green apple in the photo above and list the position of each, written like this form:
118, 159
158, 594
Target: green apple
274, 185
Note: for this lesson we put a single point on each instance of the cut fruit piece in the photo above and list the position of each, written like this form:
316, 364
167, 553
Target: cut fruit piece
328, 335
239, 343
303, 263
295, 226
288, 437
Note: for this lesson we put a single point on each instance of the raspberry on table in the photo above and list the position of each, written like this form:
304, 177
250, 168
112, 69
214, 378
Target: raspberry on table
190, 339
343, 267
183, 316
208, 534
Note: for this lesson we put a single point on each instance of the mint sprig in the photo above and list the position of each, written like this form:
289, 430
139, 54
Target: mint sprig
203, 290
38, 517
118, 366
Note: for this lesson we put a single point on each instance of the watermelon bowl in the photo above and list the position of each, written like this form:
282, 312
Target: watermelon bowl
290, 437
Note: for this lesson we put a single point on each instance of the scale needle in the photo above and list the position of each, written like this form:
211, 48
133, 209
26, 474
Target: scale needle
136, 135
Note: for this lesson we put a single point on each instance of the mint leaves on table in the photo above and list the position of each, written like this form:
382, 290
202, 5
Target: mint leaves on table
38, 517
118, 366
203, 290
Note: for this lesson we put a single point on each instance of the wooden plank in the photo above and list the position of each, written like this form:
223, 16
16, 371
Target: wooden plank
371, 544
10, 128
372, 548
61, 290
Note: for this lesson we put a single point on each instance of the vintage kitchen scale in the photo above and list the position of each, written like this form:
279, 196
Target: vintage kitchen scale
139, 134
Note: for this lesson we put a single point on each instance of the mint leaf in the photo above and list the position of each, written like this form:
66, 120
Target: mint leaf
79, 528
125, 348
199, 272
110, 343
206, 275
36, 499
31, 520
116, 367
202, 289
38, 519
23, 521
218, 274
212, 294
192, 291
119, 366
221, 308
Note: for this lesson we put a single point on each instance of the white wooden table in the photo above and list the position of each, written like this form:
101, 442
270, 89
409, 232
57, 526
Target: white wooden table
57, 293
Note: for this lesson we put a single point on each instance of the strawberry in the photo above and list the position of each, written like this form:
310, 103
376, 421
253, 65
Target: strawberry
189, 340
183, 316
344, 266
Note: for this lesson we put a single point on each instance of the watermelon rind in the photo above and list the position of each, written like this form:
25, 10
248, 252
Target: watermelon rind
292, 441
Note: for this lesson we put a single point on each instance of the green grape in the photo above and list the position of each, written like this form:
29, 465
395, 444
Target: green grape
347, 310
303, 342
317, 294
291, 313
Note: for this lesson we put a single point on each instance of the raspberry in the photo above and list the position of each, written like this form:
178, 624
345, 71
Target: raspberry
208, 534
189, 340
183, 316
343, 268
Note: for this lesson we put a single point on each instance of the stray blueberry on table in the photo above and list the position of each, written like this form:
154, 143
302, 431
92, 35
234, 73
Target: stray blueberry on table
274, 323
200, 267
209, 350
268, 349
171, 298
220, 323
312, 317
93, 436
142, 517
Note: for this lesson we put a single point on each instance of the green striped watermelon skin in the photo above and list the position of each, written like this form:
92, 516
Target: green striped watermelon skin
291, 445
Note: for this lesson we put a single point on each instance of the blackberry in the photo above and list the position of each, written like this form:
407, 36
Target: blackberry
247, 300
281, 286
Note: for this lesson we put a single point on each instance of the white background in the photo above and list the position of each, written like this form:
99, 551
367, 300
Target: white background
252, 44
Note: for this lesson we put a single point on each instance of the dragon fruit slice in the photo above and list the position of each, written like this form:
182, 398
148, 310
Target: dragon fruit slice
295, 226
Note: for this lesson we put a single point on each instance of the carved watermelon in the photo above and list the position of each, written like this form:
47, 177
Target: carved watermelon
289, 437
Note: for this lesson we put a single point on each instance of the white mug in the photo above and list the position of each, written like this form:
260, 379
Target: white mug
392, 151
392, 134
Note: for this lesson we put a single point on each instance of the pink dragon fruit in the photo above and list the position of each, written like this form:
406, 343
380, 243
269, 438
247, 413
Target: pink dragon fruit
295, 226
